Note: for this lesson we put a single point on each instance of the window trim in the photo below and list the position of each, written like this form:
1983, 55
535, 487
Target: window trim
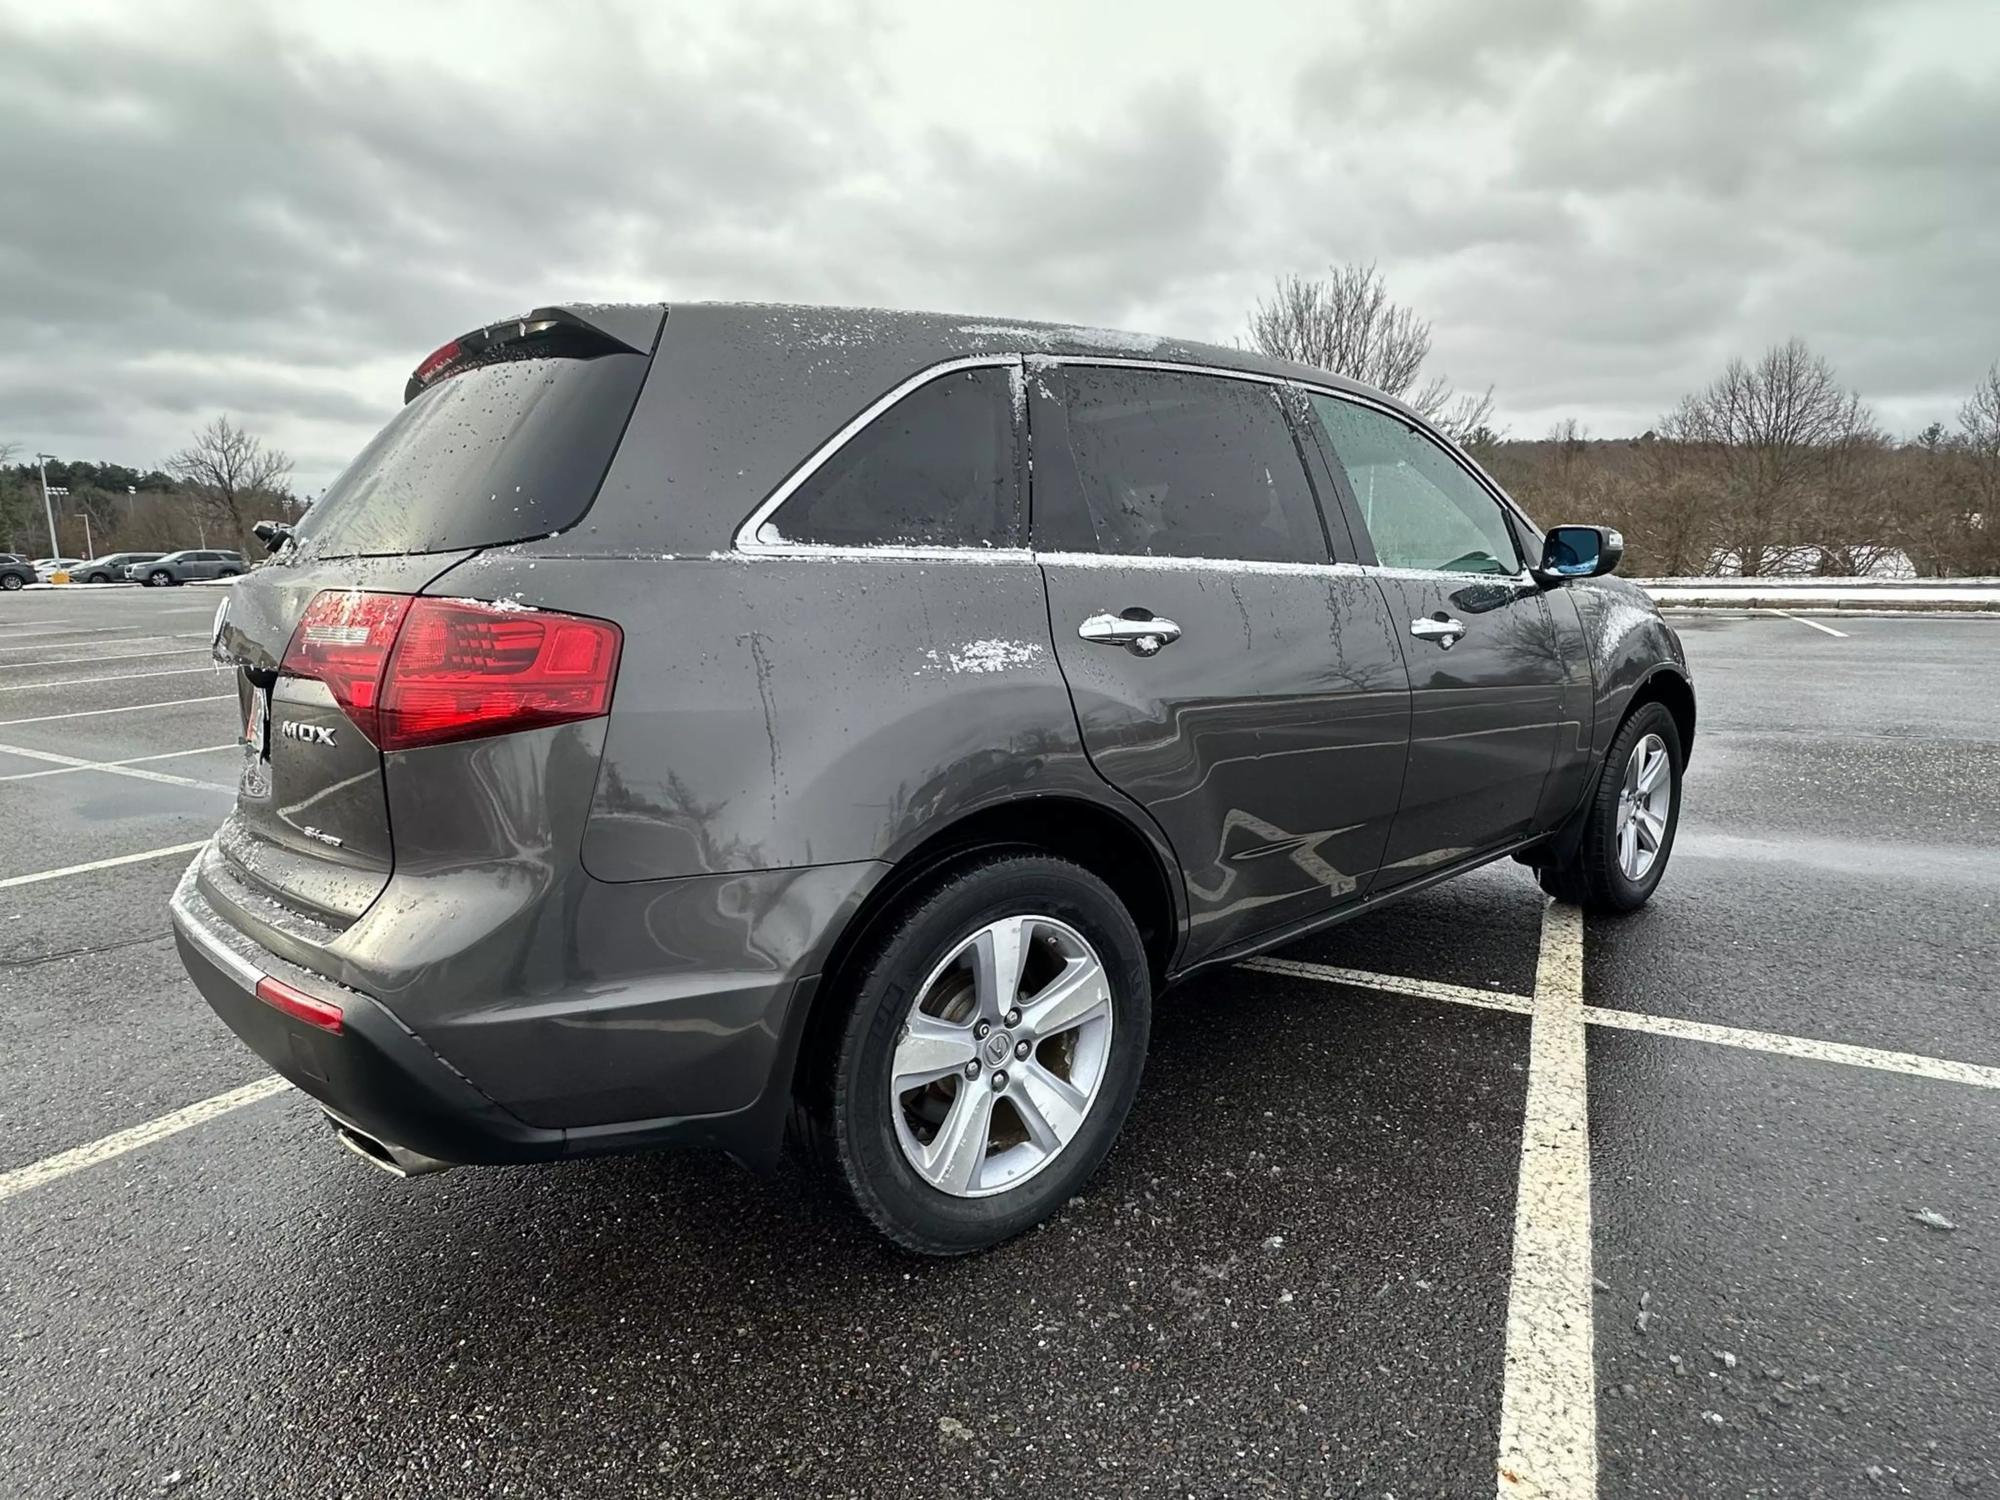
747, 541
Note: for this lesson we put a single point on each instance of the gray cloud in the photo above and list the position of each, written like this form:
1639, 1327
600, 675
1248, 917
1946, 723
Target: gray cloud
278, 213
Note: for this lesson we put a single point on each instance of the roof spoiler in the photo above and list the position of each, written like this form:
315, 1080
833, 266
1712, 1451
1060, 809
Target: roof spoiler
581, 332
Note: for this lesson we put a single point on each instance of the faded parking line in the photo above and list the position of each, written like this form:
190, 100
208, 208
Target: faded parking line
1912, 1063
110, 765
113, 768
125, 708
100, 864
49, 1168
29, 687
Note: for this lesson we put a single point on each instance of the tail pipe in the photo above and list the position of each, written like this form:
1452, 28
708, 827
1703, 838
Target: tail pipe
397, 1161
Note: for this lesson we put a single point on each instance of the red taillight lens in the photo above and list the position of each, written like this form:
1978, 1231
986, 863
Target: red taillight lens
299, 1005
412, 672
343, 640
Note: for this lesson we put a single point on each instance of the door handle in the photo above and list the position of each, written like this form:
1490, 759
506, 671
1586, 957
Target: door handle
1143, 636
1440, 628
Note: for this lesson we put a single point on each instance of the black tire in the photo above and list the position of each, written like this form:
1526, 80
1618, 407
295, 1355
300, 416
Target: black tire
1592, 878
98, 578
849, 1115
159, 578
10, 582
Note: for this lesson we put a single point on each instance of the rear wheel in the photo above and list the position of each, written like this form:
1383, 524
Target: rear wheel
991, 1054
1628, 833
10, 582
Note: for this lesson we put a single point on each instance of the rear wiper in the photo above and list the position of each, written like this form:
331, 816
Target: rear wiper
273, 534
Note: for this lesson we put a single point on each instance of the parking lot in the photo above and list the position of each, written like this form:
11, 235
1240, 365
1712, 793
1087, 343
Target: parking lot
1701, 1202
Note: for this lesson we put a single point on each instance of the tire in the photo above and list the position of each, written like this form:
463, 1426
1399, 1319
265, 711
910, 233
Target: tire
1595, 877
1015, 1174
98, 578
159, 578
10, 582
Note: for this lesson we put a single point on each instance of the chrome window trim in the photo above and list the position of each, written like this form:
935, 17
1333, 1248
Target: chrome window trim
1240, 565
746, 540
746, 544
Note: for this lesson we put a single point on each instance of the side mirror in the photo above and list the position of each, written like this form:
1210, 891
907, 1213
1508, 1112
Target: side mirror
273, 534
1579, 552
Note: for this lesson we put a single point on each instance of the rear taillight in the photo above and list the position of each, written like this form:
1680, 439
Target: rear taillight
299, 1005
412, 672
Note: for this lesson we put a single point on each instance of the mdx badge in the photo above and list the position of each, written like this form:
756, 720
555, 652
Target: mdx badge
311, 734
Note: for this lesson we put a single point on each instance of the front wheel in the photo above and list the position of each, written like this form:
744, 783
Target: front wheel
991, 1054
10, 582
159, 578
1629, 831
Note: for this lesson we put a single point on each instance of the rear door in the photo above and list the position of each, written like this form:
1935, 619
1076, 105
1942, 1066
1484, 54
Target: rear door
504, 438
1226, 675
1487, 675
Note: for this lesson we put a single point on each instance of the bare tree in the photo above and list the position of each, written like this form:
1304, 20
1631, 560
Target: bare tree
1767, 436
1345, 322
1977, 449
226, 470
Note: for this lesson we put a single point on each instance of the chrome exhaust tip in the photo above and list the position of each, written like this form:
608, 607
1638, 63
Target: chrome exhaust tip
397, 1161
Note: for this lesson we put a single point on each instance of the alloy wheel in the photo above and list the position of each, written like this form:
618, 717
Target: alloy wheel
1001, 1056
1644, 803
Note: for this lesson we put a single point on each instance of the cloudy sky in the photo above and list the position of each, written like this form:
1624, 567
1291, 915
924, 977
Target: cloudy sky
277, 210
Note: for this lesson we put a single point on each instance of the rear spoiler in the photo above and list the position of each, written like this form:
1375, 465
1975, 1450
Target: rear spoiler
548, 332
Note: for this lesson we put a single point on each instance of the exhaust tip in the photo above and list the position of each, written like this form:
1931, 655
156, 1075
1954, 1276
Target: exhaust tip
397, 1161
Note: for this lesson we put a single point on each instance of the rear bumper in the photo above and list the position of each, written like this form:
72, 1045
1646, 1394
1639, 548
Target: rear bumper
377, 1075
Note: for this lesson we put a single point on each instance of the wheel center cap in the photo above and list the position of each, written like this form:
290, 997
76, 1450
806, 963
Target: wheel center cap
997, 1048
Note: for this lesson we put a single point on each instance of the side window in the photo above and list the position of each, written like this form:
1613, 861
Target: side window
937, 469
1175, 465
1422, 510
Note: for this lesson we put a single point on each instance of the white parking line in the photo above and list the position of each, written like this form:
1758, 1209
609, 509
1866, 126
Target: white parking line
127, 640
49, 1168
125, 708
68, 661
1802, 620
113, 768
1913, 1063
100, 864
106, 765
29, 687
1548, 1399
1418, 989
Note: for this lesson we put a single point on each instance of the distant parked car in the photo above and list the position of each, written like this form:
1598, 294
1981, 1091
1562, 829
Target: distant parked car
15, 572
111, 568
185, 567
47, 567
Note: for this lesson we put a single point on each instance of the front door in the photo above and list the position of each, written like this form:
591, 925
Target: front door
1486, 672
1251, 696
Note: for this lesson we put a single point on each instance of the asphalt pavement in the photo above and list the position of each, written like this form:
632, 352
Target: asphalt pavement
1299, 1273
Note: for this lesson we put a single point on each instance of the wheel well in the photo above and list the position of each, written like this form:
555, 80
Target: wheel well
1100, 840
1671, 689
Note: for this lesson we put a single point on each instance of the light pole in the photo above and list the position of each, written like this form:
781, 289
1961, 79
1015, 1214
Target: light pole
48, 505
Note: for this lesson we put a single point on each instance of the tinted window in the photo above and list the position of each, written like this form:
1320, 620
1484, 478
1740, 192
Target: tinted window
937, 469
498, 453
1422, 509
1171, 465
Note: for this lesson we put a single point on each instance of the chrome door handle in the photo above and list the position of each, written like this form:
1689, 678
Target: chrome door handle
1443, 629
1143, 637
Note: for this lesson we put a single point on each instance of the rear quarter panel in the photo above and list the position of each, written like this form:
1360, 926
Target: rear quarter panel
776, 712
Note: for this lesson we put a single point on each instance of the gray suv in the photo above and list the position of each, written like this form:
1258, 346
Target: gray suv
717, 725
186, 567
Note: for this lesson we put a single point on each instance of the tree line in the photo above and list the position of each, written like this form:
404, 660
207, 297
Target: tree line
209, 493
1773, 467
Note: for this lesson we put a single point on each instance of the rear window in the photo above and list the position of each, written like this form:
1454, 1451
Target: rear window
498, 453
